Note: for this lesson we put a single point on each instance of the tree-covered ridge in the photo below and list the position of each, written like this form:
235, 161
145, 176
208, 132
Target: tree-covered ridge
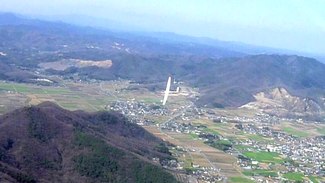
47, 143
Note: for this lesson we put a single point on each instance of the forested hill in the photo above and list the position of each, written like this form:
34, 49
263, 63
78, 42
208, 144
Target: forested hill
46, 143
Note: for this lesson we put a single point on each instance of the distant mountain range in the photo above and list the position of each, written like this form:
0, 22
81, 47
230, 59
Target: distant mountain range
46, 143
117, 26
227, 74
106, 25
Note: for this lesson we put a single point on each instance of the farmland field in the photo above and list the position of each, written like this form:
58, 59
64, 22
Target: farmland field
265, 173
321, 130
267, 157
313, 179
294, 176
295, 132
73, 96
240, 180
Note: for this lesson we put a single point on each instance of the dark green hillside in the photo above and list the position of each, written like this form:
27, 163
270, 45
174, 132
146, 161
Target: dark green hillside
45, 143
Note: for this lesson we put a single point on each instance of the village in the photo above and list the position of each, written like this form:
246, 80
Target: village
295, 154
306, 155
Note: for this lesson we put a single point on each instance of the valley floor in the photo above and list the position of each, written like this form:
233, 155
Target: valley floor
232, 145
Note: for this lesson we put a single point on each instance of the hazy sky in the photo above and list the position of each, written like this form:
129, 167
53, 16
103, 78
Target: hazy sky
292, 24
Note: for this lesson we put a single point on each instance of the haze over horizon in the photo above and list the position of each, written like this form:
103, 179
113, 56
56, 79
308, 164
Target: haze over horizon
294, 25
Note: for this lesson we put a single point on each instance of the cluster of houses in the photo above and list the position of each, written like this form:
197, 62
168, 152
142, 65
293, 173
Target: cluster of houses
135, 111
306, 155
